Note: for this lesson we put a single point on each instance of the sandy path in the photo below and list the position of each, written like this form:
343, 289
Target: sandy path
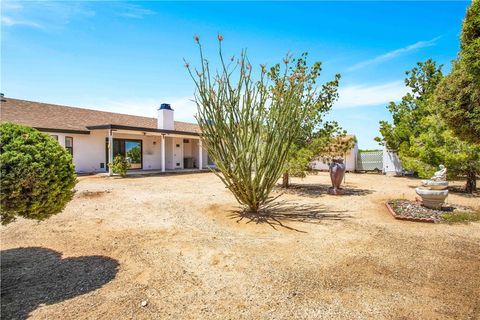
176, 242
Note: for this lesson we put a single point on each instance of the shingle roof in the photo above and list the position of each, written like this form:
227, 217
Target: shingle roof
52, 116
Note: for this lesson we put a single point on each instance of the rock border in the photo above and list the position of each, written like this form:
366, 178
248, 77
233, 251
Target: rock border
398, 217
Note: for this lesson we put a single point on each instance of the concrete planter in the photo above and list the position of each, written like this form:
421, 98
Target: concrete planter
433, 199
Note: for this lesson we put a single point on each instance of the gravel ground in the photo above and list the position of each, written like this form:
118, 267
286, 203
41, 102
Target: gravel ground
177, 247
415, 210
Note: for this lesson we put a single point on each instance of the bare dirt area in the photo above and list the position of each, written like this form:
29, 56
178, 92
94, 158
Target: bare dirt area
179, 244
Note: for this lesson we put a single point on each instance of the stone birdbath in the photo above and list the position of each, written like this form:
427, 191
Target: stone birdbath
435, 190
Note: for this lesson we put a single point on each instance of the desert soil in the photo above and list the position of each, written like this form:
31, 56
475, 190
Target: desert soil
175, 247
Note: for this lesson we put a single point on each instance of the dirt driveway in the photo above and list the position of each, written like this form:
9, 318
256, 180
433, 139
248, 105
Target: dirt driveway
176, 244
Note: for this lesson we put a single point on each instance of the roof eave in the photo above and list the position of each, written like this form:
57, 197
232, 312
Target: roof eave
57, 130
143, 129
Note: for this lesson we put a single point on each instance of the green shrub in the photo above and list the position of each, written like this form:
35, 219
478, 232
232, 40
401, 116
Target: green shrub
120, 165
37, 174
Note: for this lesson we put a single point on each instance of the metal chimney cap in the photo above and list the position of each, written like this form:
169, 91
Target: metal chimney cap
165, 106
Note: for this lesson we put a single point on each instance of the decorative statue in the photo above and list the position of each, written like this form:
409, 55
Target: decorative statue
434, 191
440, 175
337, 172
439, 179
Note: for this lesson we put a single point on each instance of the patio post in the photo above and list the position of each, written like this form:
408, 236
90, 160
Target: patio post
200, 154
163, 153
110, 151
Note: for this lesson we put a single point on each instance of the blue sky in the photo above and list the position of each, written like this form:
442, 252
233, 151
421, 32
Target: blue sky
127, 56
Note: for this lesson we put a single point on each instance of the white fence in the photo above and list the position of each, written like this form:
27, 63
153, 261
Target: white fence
370, 161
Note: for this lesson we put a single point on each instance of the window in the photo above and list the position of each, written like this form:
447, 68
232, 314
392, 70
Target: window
132, 150
133, 153
186, 141
69, 145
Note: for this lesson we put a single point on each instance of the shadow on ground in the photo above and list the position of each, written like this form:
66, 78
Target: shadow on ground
317, 190
460, 191
279, 213
34, 276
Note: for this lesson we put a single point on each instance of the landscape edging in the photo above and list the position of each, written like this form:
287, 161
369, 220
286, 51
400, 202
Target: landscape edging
396, 216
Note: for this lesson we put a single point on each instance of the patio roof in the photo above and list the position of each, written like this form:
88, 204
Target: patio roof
141, 129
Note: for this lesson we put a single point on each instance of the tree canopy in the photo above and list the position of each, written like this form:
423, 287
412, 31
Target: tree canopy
317, 139
420, 135
458, 95
323, 141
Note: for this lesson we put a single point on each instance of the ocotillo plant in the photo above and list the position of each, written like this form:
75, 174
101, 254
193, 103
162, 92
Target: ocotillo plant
247, 125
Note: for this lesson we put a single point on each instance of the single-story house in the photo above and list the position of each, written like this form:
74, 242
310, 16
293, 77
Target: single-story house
95, 137
349, 159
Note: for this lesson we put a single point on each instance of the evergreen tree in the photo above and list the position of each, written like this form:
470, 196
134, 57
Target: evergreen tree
458, 95
37, 174
421, 137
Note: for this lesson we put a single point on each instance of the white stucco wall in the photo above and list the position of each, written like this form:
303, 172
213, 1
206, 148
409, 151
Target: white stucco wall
391, 163
168, 153
187, 148
177, 153
195, 154
152, 152
88, 150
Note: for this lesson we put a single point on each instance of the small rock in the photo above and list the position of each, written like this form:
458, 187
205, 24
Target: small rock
144, 303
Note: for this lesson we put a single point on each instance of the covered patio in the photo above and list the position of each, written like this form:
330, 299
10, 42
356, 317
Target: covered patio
154, 151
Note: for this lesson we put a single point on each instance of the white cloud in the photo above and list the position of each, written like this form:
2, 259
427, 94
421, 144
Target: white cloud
368, 95
393, 54
43, 14
9, 22
11, 5
134, 11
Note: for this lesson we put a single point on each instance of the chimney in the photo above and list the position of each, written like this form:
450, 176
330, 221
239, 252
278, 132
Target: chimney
165, 117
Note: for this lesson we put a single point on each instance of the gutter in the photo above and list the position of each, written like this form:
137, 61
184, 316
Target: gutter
122, 127
63, 130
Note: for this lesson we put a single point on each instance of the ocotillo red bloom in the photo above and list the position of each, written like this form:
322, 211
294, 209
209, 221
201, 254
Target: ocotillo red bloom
196, 38
220, 37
